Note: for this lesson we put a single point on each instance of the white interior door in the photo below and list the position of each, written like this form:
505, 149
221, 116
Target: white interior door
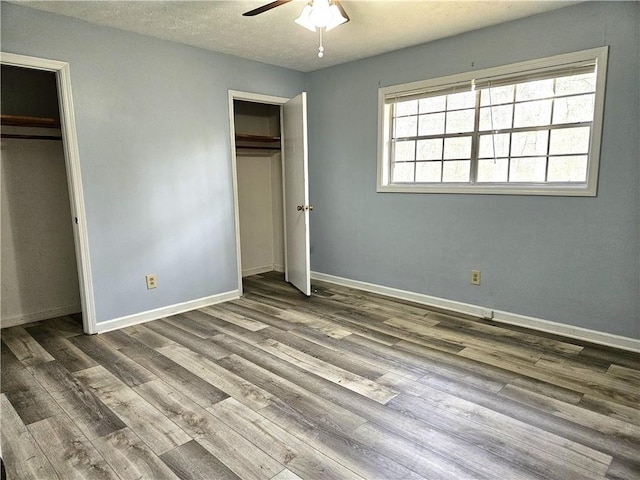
296, 193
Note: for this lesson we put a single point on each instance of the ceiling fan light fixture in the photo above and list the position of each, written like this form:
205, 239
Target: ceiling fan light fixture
304, 20
320, 14
336, 18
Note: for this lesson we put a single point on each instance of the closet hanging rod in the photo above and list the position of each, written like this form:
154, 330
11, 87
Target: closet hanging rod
256, 147
25, 136
243, 137
26, 121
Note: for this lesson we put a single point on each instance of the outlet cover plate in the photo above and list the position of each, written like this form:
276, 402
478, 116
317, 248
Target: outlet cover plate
151, 281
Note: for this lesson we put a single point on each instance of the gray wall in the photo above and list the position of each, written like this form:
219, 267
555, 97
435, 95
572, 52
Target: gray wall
568, 260
153, 133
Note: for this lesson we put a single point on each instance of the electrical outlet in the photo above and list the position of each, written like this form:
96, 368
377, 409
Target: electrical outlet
475, 277
151, 281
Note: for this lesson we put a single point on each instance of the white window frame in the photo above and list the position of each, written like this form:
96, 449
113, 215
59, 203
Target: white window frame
464, 80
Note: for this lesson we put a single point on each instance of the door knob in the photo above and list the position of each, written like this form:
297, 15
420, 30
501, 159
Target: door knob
304, 207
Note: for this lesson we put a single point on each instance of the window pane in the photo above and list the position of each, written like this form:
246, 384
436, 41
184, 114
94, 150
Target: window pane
569, 140
429, 172
461, 100
496, 118
493, 170
432, 124
430, 149
499, 142
433, 104
405, 108
405, 151
406, 127
457, 147
531, 114
460, 121
576, 84
457, 171
527, 169
529, 143
567, 169
534, 89
403, 172
497, 95
573, 109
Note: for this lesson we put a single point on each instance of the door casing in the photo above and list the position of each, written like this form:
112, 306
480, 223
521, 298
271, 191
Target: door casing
255, 98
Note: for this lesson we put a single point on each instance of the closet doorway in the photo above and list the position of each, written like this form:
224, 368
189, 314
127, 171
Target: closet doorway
260, 195
269, 153
45, 267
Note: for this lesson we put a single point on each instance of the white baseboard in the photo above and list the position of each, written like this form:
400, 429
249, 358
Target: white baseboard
452, 305
579, 333
264, 269
143, 317
564, 329
15, 320
256, 270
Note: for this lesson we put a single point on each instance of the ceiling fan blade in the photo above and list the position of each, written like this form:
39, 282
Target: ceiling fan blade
342, 11
264, 8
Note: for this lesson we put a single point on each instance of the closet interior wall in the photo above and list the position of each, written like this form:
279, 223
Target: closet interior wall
39, 270
259, 172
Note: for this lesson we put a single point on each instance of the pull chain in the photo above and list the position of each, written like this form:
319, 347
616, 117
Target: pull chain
321, 47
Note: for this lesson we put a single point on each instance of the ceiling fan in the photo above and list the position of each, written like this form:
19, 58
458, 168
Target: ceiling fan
318, 16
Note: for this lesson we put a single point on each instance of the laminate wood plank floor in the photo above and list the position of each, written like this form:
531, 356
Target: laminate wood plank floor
341, 385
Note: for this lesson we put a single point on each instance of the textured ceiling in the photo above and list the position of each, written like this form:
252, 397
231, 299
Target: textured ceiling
376, 26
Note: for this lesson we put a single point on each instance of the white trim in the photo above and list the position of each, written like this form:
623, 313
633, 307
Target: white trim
452, 305
234, 179
258, 270
74, 175
284, 193
563, 190
586, 189
578, 333
257, 98
149, 315
15, 320
264, 269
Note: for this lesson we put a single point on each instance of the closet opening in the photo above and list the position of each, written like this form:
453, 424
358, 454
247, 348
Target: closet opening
259, 186
40, 279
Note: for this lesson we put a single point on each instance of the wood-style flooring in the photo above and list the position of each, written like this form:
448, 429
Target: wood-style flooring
342, 385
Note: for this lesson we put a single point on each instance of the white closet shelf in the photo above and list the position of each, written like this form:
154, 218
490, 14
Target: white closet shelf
257, 142
30, 122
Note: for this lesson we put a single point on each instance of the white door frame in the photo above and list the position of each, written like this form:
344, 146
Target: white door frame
255, 98
74, 177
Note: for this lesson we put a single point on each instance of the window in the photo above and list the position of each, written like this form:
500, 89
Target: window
530, 128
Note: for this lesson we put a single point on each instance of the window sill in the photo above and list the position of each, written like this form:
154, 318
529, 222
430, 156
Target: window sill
494, 189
